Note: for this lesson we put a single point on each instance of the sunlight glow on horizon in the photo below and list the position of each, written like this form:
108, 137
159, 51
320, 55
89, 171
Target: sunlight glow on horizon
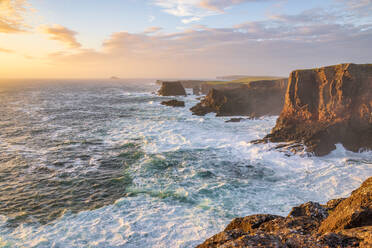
179, 39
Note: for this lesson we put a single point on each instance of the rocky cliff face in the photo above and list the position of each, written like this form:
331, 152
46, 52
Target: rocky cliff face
339, 223
255, 99
327, 106
172, 89
207, 87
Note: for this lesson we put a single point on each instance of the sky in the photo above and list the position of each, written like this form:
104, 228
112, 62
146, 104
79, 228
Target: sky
180, 38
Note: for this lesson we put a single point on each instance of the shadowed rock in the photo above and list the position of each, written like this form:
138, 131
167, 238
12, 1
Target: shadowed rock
172, 89
173, 103
327, 106
254, 99
340, 223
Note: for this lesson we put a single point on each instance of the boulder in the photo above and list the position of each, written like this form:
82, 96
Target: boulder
340, 223
173, 103
172, 89
254, 100
235, 120
327, 106
355, 211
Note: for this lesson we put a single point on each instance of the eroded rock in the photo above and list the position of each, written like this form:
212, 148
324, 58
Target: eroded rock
337, 224
327, 106
255, 99
173, 103
172, 89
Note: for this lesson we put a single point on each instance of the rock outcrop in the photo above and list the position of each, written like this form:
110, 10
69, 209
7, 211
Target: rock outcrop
172, 89
327, 106
173, 103
255, 99
189, 84
339, 223
196, 90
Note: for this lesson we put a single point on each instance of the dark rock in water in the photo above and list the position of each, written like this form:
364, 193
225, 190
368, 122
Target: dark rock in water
235, 120
173, 103
249, 100
172, 89
196, 90
327, 106
308, 225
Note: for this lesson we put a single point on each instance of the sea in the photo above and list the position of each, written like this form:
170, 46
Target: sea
101, 163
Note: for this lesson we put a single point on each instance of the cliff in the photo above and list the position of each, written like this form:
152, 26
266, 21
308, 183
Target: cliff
327, 106
205, 88
339, 223
254, 99
172, 89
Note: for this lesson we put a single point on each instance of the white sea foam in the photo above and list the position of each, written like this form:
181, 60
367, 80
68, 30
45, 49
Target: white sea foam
197, 174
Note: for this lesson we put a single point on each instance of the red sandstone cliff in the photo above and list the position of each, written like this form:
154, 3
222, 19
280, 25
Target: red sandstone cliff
327, 106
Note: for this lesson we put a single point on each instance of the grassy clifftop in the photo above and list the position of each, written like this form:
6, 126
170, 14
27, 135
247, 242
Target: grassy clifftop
245, 80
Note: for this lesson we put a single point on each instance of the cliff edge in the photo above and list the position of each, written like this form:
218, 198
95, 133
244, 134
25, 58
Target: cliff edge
255, 99
326, 106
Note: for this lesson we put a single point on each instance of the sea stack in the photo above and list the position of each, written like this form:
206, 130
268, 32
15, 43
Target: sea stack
327, 106
339, 223
172, 89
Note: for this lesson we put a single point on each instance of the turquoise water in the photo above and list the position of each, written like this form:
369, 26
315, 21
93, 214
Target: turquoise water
103, 164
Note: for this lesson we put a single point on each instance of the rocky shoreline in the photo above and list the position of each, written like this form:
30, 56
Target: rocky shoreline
318, 108
345, 222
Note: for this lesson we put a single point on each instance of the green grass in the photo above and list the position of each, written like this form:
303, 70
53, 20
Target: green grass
244, 80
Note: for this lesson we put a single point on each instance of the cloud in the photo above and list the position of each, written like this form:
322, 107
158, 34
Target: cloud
362, 7
3, 50
275, 46
62, 34
220, 5
151, 30
11, 16
195, 10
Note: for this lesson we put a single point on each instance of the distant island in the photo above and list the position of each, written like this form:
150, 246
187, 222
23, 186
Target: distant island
114, 78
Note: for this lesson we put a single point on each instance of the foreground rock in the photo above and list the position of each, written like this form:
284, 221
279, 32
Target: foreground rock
340, 223
173, 103
327, 106
172, 89
255, 99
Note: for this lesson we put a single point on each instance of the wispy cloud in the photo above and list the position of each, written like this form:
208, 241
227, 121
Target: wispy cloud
62, 34
195, 10
360, 7
274, 46
11, 16
3, 50
152, 30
